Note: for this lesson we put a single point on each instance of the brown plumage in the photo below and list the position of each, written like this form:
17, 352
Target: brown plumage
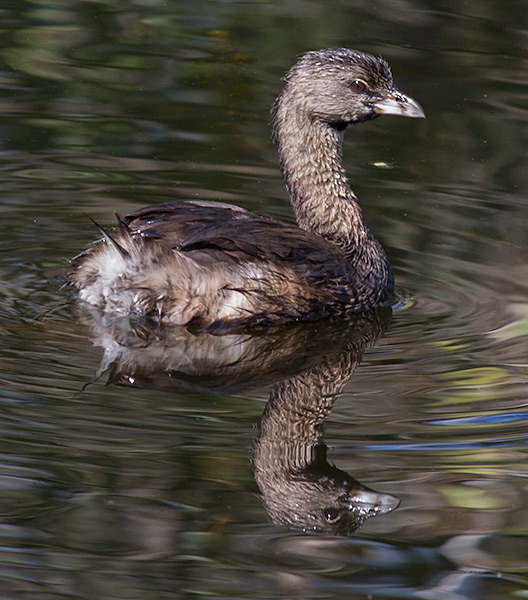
213, 265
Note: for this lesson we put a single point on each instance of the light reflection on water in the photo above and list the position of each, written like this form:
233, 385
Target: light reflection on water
114, 492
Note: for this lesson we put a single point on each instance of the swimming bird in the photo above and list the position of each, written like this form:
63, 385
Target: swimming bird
212, 266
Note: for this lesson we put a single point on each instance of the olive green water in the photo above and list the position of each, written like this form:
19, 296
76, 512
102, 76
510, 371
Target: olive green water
144, 488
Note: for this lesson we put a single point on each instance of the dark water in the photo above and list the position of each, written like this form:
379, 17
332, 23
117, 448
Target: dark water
145, 488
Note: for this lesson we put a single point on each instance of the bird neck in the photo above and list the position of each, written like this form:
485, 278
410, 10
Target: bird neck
312, 166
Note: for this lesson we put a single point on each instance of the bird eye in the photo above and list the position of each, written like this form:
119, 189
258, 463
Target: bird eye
331, 515
358, 86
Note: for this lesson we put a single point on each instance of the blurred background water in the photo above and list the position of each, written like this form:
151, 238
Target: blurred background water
111, 492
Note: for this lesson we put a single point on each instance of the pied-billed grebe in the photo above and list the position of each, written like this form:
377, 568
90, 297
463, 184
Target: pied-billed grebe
212, 265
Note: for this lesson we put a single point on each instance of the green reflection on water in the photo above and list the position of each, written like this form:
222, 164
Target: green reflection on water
127, 493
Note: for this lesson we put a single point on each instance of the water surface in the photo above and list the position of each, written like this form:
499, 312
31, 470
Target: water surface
145, 487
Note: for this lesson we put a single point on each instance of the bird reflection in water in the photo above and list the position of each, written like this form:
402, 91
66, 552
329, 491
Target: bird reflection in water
308, 365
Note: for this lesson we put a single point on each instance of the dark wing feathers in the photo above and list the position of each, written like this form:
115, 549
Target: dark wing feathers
240, 235
174, 222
